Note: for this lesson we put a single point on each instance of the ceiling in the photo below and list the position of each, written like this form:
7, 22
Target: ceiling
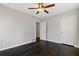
59, 8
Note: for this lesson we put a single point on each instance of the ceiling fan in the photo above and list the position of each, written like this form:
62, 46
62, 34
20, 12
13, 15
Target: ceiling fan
42, 8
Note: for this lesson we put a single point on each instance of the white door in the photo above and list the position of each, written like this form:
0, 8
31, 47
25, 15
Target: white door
67, 30
43, 30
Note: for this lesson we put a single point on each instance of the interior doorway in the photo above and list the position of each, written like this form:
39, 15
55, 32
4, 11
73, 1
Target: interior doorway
41, 33
41, 30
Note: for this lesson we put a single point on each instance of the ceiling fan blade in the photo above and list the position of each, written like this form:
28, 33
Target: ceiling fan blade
46, 11
32, 8
49, 5
40, 5
37, 12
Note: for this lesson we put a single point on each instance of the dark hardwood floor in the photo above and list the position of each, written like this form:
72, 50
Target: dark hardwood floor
54, 49
45, 49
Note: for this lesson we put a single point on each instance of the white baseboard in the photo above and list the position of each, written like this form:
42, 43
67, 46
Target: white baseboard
15, 46
54, 41
77, 46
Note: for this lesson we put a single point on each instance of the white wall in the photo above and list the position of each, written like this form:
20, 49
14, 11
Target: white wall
54, 26
77, 30
53, 29
16, 28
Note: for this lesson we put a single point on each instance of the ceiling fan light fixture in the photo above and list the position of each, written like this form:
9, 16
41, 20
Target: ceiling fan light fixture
41, 9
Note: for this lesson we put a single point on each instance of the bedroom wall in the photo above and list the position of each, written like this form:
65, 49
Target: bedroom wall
16, 28
54, 27
77, 30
